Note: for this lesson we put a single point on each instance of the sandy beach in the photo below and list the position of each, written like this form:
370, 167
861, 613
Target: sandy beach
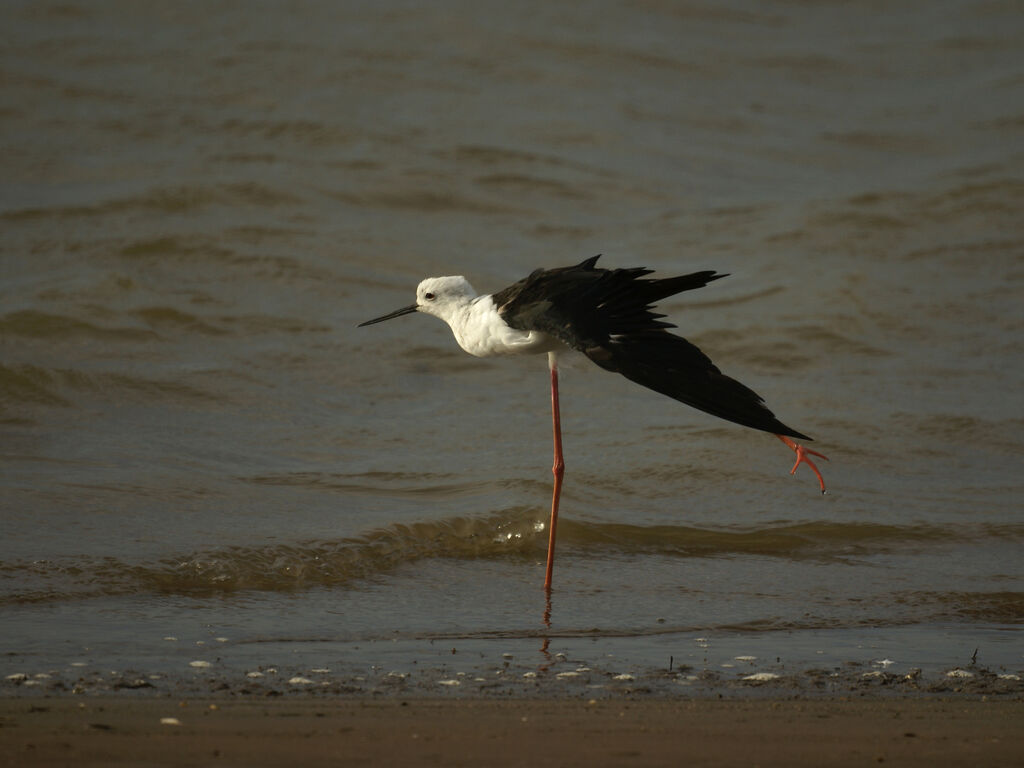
308, 732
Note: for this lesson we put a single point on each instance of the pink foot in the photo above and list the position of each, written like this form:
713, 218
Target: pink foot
802, 458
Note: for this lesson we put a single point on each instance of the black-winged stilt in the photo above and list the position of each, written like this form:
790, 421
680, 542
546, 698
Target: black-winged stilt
607, 315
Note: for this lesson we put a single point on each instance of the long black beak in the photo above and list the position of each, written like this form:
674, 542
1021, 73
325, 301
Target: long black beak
396, 313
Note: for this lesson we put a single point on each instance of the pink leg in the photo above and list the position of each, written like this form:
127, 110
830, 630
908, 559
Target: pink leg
801, 458
558, 469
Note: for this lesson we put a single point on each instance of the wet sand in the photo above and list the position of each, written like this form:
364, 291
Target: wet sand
131, 731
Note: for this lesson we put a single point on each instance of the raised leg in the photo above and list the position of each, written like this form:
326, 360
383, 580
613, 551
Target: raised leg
801, 458
558, 469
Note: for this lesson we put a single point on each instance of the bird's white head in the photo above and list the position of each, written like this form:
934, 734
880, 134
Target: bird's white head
444, 297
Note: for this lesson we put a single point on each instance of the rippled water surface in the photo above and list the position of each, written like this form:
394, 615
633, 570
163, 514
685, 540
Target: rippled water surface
200, 202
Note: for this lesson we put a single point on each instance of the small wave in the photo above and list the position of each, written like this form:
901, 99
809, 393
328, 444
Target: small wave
514, 533
176, 247
175, 320
28, 384
44, 325
422, 200
784, 350
892, 211
1002, 607
309, 132
167, 200
906, 144
393, 484
734, 300
147, 324
277, 567
206, 251
488, 155
977, 197
526, 184
821, 541
1001, 435
485, 156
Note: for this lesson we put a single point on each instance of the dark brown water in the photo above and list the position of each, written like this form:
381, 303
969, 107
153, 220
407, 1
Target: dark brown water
198, 204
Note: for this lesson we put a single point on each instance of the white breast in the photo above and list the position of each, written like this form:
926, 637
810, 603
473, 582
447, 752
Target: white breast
482, 333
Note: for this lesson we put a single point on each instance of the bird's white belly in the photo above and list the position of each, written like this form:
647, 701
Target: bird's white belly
483, 333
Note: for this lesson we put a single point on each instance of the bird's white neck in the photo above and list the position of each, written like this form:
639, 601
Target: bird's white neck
482, 332
475, 321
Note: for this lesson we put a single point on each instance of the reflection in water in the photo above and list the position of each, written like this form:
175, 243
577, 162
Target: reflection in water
547, 623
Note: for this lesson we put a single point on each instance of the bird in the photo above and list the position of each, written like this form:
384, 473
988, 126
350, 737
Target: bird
608, 315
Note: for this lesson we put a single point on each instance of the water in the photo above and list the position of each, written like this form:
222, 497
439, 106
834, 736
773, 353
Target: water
200, 203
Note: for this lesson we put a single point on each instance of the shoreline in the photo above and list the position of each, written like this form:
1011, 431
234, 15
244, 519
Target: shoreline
745, 677
128, 730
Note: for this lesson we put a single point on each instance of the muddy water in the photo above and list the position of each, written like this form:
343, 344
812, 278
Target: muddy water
199, 204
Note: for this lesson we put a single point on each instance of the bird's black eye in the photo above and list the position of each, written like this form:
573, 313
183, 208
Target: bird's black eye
428, 296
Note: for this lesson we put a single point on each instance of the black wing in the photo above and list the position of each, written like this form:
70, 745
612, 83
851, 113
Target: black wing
607, 315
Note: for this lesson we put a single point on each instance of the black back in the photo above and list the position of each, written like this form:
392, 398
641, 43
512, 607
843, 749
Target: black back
607, 315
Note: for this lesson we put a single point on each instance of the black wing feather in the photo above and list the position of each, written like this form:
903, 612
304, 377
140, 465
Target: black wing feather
607, 315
